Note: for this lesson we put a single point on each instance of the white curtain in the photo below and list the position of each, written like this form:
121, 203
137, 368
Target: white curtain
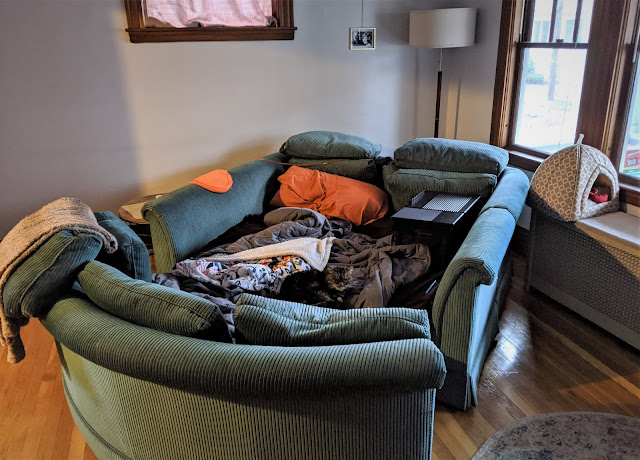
233, 13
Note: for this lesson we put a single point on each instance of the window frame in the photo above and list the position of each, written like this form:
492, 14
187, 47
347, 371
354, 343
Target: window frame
608, 81
138, 33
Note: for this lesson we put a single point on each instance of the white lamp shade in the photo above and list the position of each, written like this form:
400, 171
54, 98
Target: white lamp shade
443, 28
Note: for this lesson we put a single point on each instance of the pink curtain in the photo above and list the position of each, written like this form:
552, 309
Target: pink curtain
233, 13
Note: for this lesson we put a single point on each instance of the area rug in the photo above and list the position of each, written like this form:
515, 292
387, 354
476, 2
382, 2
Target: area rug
566, 435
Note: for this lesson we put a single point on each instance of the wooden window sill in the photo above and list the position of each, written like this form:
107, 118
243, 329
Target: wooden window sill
629, 193
191, 34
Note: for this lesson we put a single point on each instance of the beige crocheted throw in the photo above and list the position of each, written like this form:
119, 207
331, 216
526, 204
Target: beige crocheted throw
25, 238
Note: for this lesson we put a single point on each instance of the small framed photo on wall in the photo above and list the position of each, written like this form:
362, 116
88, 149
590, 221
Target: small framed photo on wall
362, 38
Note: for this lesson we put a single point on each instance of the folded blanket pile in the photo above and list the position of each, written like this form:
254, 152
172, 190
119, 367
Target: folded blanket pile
25, 238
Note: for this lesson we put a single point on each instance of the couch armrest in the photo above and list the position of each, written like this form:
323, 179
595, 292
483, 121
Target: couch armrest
188, 218
479, 258
242, 370
510, 193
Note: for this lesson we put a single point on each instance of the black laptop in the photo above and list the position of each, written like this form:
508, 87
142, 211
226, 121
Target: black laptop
437, 207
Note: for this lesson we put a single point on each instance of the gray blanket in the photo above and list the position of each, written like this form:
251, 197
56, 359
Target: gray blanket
380, 266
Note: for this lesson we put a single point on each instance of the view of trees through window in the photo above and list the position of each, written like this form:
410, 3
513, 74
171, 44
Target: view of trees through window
554, 50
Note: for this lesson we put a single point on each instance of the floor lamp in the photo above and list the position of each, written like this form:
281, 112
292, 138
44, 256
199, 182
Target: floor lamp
443, 28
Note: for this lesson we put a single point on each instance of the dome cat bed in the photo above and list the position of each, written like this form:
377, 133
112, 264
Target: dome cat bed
560, 186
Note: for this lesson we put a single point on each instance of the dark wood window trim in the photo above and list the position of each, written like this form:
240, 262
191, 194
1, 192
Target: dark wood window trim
602, 114
138, 33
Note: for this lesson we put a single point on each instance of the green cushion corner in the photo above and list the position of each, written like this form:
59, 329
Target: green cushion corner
132, 256
152, 305
48, 273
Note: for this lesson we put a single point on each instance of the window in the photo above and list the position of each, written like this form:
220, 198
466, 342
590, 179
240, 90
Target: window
568, 67
188, 20
630, 158
553, 53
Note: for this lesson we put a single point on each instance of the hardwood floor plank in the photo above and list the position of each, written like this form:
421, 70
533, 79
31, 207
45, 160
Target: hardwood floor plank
457, 447
439, 450
462, 438
42, 412
76, 444
474, 425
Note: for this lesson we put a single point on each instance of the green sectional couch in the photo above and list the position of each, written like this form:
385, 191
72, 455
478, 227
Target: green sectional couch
466, 306
138, 390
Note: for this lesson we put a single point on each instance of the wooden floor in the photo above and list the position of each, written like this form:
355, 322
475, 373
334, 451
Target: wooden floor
546, 360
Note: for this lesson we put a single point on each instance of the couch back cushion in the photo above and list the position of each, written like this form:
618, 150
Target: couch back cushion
48, 273
263, 321
151, 305
329, 144
451, 155
132, 256
332, 195
363, 170
403, 184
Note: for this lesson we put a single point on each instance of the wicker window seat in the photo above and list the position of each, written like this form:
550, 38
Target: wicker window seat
592, 267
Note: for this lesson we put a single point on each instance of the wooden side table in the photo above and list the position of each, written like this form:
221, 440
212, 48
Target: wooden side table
135, 220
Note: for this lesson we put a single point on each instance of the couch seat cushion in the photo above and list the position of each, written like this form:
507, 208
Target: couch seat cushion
151, 305
329, 144
452, 155
48, 273
264, 321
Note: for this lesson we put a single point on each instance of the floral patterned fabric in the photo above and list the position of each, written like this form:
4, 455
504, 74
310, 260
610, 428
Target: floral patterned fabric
255, 276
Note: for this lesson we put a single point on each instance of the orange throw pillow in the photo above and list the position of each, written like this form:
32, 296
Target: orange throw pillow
332, 195
218, 180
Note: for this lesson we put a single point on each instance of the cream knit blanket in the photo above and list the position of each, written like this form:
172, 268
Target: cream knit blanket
313, 250
25, 238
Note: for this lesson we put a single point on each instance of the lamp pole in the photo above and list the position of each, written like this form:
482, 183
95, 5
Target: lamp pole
438, 92
442, 28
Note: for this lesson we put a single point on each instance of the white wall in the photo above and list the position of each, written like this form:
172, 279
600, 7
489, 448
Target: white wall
85, 113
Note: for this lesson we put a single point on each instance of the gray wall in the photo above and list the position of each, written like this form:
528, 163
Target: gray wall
87, 114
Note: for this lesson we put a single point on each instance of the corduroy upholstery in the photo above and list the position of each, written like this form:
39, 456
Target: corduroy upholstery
360, 425
451, 155
509, 192
466, 305
267, 321
239, 370
152, 305
404, 184
48, 273
363, 170
139, 393
132, 256
328, 145
186, 219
